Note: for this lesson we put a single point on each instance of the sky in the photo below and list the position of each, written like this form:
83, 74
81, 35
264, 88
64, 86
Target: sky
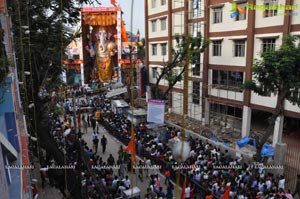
138, 17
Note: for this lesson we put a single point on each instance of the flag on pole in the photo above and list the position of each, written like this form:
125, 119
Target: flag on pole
113, 2
131, 146
183, 189
226, 194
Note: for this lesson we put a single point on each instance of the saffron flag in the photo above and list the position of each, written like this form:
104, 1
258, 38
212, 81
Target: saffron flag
226, 194
113, 2
131, 146
183, 189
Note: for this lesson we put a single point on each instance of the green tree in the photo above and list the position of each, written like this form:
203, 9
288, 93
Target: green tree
40, 40
173, 70
277, 72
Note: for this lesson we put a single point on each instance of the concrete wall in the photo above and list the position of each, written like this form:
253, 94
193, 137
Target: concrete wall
158, 32
261, 21
228, 23
296, 14
233, 95
219, 145
227, 54
158, 8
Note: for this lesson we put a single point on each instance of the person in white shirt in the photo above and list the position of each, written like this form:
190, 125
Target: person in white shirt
241, 196
269, 184
281, 183
126, 182
115, 182
261, 185
197, 176
187, 192
94, 135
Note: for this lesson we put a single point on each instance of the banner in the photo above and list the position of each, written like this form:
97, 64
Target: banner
156, 111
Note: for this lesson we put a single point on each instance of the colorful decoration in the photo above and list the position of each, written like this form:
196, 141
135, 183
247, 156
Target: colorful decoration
105, 50
100, 19
104, 70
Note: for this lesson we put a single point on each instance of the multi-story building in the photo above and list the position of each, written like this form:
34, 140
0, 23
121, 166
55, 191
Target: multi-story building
164, 19
14, 181
215, 92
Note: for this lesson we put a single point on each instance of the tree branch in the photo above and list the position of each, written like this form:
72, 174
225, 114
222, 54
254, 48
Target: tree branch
173, 83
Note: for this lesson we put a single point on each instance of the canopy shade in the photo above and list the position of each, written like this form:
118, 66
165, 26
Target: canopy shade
116, 92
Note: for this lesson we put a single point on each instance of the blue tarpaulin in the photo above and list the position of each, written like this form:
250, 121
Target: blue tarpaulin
246, 140
267, 151
214, 139
226, 144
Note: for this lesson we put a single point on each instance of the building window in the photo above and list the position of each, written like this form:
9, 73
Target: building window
196, 92
196, 8
268, 44
163, 49
153, 23
153, 3
240, 16
239, 48
225, 110
217, 15
163, 23
217, 48
154, 49
196, 29
273, 6
154, 72
163, 2
196, 69
228, 80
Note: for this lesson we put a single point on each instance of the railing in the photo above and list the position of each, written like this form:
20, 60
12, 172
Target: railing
292, 165
103, 191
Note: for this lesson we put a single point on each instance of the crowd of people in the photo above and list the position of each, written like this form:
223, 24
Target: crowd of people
206, 167
207, 170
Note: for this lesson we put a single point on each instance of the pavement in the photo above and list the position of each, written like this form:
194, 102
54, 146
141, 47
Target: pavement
113, 145
112, 148
47, 192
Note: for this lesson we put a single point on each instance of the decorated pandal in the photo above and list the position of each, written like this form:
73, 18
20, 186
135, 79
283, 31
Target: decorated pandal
102, 24
100, 19
105, 50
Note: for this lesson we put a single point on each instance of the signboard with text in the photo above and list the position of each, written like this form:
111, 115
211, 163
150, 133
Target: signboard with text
156, 111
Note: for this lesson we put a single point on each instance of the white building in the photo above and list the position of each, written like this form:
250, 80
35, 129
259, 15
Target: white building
214, 86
